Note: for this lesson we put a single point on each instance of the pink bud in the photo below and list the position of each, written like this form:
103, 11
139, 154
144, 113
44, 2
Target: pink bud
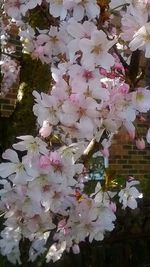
119, 66
124, 89
103, 72
87, 75
140, 143
76, 249
46, 129
130, 128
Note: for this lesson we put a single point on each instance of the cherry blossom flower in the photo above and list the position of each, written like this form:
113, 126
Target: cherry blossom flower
141, 40
89, 7
46, 129
141, 99
17, 8
34, 146
95, 51
132, 20
47, 108
57, 9
55, 252
129, 194
87, 82
140, 143
42, 194
22, 171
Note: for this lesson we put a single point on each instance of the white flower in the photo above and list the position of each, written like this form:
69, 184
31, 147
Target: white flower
129, 194
133, 19
148, 136
88, 8
78, 31
22, 171
17, 8
34, 146
55, 251
95, 51
141, 99
9, 243
46, 108
38, 246
141, 40
57, 9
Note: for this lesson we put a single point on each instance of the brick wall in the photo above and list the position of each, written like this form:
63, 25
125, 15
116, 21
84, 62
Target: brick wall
126, 159
8, 103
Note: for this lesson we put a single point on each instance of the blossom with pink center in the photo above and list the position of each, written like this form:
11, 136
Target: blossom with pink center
87, 82
55, 160
95, 51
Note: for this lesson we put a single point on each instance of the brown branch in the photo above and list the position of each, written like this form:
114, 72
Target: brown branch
134, 68
92, 148
89, 151
124, 63
11, 55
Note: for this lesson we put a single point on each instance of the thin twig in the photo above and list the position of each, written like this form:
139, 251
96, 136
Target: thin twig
11, 55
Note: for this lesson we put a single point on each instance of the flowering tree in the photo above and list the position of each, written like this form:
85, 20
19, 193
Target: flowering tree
94, 92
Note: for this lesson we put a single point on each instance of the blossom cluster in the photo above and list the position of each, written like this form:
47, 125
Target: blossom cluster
136, 26
10, 67
43, 197
44, 193
9, 71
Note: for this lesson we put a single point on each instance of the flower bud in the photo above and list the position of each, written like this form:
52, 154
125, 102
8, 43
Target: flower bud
140, 143
46, 129
76, 249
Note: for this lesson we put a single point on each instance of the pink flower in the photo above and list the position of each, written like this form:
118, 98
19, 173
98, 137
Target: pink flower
140, 143
124, 88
